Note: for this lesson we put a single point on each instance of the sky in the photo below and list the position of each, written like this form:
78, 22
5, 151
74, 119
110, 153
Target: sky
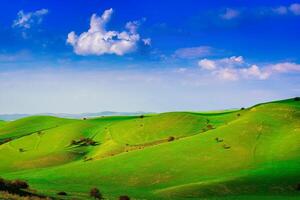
155, 56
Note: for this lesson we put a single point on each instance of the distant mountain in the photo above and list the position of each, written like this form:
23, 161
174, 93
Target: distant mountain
10, 117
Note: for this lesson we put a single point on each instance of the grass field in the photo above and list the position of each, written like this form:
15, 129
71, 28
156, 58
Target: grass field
251, 153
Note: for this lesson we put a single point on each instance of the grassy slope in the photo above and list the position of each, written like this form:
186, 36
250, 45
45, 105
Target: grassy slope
2, 123
263, 158
28, 125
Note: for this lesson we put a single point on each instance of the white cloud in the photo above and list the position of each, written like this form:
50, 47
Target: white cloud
227, 74
147, 41
207, 64
194, 52
235, 68
254, 72
98, 41
230, 14
283, 10
284, 67
231, 62
26, 20
181, 70
295, 8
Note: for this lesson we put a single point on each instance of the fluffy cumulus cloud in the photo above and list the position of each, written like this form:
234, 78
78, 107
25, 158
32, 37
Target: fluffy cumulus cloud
98, 41
230, 14
235, 68
207, 64
231, 62
26, 20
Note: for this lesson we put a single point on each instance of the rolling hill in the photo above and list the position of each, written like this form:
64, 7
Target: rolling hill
2, 123
251, 153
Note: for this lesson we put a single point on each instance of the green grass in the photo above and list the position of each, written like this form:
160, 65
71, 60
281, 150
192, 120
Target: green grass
29, 125
239, 154
2, 123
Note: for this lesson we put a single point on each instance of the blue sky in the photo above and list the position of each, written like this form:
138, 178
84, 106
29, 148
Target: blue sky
89, 56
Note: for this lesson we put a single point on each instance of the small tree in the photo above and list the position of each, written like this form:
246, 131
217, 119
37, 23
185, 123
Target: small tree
171, 138
62, 193
297, 98
124, 197
242, 108
95, 193
298, 187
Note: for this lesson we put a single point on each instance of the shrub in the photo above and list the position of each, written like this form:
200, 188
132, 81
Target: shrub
297, 98
242, 108
298, 187
18, 184
21, 150
209, 127
218, 139
73, 142
2, 184
171, 138
90, 142
225, 146
124, 197
95, 193
62, 193
13, 185
84, 142
238, 114
142, 116
84, 118
10, 196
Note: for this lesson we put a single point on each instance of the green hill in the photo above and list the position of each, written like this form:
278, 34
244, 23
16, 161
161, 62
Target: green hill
250, 153
2, 123
29, 125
